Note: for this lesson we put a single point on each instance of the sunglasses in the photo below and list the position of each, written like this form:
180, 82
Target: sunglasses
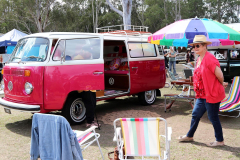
197, 46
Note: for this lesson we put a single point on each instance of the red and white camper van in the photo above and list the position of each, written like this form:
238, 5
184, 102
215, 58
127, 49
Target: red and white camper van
47, 71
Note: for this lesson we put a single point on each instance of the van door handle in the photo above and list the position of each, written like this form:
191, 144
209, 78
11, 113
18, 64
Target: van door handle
97, 73
134, 67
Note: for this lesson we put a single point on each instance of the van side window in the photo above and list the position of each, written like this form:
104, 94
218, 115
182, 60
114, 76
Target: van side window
135, 49
59, 51
142, 50
80, 49
149, 50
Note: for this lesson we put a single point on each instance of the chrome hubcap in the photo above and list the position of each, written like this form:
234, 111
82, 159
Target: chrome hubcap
150, 96
77, 110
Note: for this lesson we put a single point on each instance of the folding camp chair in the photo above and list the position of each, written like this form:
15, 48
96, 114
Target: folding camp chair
232, 103
141, 138
53, 135
173, 78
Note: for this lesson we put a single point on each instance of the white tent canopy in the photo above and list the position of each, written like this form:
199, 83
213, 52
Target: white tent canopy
11, 38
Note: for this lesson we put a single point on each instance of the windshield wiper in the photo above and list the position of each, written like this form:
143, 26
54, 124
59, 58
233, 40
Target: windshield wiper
16, 58
35, 57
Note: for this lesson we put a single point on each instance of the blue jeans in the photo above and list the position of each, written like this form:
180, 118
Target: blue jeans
172, 64
212, 109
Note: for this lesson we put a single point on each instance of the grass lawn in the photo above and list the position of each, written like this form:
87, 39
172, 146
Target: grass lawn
15, 130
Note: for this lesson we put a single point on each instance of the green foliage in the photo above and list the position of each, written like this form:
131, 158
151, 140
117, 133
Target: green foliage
224, 11
85, 15
194, 8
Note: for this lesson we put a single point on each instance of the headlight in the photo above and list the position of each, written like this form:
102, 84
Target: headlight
28, 87
2, 84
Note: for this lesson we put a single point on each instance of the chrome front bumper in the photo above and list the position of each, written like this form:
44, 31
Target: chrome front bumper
19, 106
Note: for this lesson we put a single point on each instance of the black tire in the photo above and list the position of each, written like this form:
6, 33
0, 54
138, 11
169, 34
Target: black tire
177, 62
74, 110
158, 93
147, 97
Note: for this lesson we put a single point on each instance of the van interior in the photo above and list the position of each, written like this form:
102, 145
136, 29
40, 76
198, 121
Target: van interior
116, 69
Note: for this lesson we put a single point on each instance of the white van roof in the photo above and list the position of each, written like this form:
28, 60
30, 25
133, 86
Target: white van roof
108, 35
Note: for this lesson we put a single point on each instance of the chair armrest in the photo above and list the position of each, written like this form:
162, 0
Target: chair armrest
169, 133
117, 134
87, 131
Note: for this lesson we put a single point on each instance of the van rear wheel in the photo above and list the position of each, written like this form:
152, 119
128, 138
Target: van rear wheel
74, 110
147, 97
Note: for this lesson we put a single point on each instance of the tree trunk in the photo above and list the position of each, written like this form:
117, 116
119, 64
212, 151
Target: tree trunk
143, 10
126, 14
41, 17
165, 10
127, 9
179, 13
218, 8
93, 17
98, 3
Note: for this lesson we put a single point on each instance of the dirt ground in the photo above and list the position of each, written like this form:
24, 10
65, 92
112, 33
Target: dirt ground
15, 130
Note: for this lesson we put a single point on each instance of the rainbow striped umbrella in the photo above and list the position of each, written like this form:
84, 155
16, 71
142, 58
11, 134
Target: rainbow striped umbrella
182, 32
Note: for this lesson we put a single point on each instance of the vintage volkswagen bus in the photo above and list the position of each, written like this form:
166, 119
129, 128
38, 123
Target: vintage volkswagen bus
47, 71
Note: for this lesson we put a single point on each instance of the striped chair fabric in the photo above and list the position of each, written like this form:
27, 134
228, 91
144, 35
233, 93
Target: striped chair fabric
232, 103
141, 136
83, 138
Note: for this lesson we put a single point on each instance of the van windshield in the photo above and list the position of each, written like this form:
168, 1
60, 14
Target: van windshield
30, 49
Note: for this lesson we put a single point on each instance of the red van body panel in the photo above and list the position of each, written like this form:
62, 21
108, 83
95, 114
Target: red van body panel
146, 75
16, 76
60, 80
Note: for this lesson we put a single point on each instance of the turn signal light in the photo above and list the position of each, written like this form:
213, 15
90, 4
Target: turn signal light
27, 73
2, 71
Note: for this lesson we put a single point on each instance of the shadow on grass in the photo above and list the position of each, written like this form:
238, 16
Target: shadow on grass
22, 127
125, 107
234, 150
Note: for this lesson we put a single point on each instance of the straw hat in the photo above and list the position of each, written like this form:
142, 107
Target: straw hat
200, 39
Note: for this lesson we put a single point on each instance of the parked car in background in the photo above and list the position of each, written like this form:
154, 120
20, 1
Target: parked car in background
181, 57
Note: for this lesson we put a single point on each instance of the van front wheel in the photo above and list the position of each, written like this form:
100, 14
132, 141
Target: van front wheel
74, 110
147, 97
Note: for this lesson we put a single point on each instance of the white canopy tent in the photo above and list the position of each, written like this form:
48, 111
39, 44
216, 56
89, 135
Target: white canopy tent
11, 38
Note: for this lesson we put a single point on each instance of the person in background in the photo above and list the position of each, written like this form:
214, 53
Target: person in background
89, 100
166, 59
172, 60
209, 88
191, 57
188, 56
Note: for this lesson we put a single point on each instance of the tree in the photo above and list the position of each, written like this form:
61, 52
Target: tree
195, 8
158, 14
126, 13
29, 13
224, 11
42, 9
